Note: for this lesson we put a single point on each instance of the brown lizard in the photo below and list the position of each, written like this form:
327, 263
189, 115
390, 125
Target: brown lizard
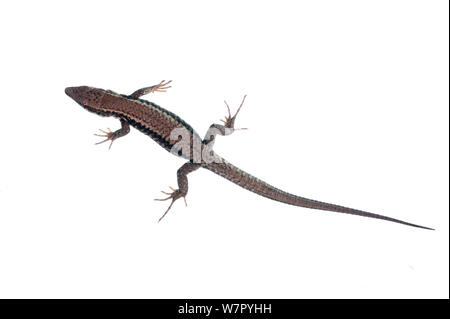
179, 138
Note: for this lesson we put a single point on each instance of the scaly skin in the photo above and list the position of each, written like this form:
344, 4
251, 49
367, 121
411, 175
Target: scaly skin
160, 124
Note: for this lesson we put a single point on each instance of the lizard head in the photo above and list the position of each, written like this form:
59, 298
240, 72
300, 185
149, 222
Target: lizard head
88, 97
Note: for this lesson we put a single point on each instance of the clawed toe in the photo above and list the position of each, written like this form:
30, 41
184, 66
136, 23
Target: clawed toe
105, 133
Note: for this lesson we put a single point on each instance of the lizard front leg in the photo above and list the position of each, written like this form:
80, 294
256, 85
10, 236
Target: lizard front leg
225, 129
160, 87
182, 185
112, 136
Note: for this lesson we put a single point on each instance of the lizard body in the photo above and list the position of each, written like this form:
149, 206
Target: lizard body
160, 124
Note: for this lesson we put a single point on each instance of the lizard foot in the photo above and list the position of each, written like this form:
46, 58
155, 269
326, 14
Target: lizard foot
229, 120
174, 195
161, 86
110, 136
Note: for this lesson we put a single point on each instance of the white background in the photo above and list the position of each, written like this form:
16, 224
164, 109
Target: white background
347, 103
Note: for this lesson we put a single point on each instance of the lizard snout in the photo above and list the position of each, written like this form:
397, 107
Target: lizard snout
70, 91
80, 94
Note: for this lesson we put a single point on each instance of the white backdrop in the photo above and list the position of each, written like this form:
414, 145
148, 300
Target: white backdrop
347, 103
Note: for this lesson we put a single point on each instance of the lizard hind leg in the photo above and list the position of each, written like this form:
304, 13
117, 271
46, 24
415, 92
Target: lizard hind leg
182, 186
225, 129
229, 120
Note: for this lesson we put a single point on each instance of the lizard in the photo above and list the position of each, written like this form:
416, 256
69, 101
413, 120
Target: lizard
178, 137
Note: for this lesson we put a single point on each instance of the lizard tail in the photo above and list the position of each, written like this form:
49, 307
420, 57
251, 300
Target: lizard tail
255, 185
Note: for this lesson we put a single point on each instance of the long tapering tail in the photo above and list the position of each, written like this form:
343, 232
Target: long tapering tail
255, 185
